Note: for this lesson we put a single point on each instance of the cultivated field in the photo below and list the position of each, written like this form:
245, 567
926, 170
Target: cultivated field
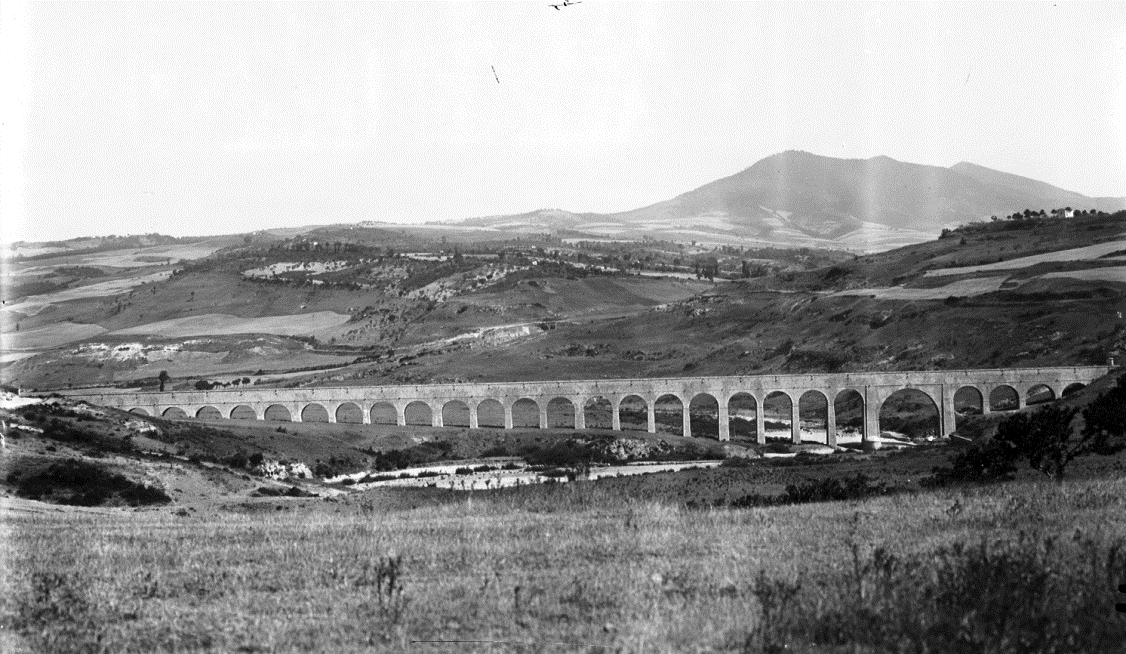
217, 324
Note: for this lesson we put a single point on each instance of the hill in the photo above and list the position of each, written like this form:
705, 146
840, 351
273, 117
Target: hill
801, 199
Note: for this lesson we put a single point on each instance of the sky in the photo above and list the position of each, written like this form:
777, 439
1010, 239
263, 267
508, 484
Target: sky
192, 119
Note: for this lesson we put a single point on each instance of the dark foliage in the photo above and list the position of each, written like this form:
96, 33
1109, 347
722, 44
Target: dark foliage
411, 456
83, 484
829, 489
1045, 438
985, 460
1105, 418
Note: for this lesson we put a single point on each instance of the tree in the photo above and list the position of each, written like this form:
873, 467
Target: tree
163, 378
1045, 439
1105, 418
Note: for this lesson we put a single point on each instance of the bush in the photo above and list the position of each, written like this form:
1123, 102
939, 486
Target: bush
983, 461
78, 483
829, 489
1045, 439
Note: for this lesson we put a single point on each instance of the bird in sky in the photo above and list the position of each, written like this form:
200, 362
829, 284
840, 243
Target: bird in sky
566, 3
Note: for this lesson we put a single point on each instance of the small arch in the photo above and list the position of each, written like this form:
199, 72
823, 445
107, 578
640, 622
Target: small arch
778, 415
455, 413
243, 412
968, 401
139, 411
703, 410
349, 412
909, 412
208, 413
633, 413
419, 413
848, 407
490, 413
813, 416
525, 414
174, 413
742, 416
1004, 398
598, 413
314, 413
561, 413
1039, 394
1072, 388
277, 413
669, 411
384, 413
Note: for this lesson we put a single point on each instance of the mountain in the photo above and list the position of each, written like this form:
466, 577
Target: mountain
800, 199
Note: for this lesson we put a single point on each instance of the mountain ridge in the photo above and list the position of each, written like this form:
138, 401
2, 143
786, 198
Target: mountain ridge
796, 198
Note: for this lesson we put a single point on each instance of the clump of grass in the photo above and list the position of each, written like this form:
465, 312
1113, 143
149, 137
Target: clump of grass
55, 614
1024, 595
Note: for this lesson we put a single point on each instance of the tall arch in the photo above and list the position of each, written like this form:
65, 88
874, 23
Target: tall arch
813, 416
243, 412
968, 401
208, 413
174, 413
1004, 398
910, 412
277, 413
139, 411
778, 416
560, 413
419, 414
848, 408
742, 416
1039, 394
669, 412
525, 414
633, 413
384, 413
455, 413
703, 410
314, 413
349, 413
490, 413
1072, 388
597, 413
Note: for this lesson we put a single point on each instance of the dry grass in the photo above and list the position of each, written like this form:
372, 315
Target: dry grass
557, 568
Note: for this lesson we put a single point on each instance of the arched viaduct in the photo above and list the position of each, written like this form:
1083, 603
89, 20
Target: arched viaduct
872, 390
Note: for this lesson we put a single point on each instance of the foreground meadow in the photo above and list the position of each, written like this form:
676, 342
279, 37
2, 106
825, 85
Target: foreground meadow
1017, 567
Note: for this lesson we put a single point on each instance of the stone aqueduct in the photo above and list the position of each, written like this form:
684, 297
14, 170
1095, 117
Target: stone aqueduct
872, 388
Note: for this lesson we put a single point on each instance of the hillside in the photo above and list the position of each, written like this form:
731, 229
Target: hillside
344, 305
801, 199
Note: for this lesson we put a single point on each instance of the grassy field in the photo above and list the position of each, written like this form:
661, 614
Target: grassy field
573, 567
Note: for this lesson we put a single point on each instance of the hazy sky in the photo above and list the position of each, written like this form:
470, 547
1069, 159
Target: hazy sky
217, 118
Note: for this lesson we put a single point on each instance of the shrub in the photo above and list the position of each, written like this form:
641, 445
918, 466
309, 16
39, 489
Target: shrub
1045, 439
80, 483
1106, 418
985, 460
829, 489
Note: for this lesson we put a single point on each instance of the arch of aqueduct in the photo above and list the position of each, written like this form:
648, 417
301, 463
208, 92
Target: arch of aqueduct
872, 388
